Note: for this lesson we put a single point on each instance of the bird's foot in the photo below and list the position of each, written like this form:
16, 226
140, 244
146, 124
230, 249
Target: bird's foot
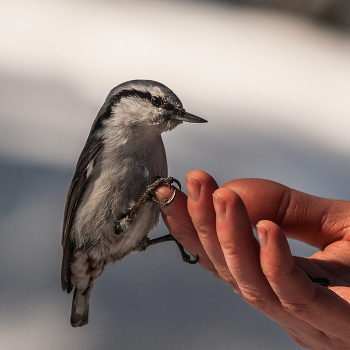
127, 219
149, 193
185, 257
123, 224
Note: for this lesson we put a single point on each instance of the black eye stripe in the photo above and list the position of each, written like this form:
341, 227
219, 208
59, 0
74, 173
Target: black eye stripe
106, 110
145, 95
155, 100
132, 93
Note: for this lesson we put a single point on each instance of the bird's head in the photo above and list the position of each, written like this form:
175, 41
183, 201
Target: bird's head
143, 106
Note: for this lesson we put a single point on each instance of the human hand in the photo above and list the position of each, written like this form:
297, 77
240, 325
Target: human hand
216, 223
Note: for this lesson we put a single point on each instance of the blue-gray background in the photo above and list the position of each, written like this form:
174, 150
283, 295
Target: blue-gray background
274, 87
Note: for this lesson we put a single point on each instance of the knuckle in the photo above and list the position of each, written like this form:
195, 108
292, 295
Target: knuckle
255, 299
227, 278
203, 229
300, 310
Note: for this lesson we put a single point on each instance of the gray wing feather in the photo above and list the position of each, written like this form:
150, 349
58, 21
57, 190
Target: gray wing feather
75, 192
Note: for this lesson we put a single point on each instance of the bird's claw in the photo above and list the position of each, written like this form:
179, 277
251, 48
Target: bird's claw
148, 195
160, 181
188, 259
185, 257
176, 181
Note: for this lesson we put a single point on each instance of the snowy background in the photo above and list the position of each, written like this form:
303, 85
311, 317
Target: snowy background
275, 89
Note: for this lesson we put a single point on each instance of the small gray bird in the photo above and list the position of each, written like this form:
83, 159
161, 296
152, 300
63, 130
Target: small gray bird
110, 207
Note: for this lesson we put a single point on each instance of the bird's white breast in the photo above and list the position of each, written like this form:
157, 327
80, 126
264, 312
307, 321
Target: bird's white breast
119, 176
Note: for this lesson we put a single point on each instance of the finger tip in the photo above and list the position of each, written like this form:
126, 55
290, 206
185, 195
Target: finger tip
163, 192
227, 195
269, 226
262, 234
199, 176
195, 173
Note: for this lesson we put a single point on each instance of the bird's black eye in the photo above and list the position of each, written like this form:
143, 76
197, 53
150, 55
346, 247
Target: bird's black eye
156, 101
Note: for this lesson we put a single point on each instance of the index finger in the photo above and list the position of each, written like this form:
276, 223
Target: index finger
179, 224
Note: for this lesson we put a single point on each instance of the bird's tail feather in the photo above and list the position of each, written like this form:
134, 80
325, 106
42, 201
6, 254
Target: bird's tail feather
80, 307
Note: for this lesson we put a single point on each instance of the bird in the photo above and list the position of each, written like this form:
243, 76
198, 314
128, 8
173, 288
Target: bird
110, 207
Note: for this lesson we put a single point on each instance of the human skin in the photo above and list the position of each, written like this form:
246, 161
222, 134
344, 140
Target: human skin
216, 223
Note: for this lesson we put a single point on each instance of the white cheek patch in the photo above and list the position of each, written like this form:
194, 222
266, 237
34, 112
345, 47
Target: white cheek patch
156, 120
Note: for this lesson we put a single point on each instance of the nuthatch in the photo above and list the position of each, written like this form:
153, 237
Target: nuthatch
110, 207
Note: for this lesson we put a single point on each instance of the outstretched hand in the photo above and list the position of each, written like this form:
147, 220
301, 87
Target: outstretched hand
216, 223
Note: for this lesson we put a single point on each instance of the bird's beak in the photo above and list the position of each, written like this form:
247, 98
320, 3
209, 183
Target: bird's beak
188, 117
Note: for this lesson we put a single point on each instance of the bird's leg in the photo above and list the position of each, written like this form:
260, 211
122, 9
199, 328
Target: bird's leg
157, 240
149, 194
124, 222
185, 257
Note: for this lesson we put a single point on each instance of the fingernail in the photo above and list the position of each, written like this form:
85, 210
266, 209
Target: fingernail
220, 207
262, 236
194, 189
